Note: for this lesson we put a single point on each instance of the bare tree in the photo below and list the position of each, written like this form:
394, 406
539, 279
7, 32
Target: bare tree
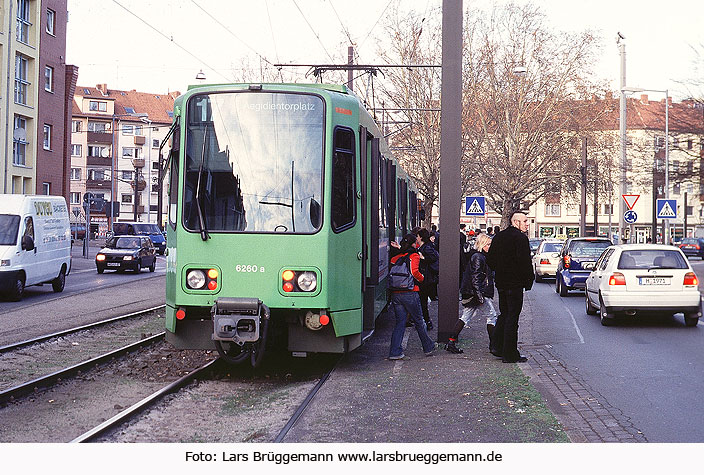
528, 103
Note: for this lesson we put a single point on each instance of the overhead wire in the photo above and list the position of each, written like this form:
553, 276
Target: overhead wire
313, 30
169, 38
273, 39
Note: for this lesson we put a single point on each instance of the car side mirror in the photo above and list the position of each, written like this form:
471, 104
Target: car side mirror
27, 243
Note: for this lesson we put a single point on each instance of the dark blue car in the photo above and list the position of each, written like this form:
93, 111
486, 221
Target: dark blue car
692, 247
142, 229
577, 261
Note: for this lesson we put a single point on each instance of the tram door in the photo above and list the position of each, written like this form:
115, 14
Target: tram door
369, 173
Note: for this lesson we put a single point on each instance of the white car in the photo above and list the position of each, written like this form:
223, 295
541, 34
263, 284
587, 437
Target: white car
643, 278
546, 258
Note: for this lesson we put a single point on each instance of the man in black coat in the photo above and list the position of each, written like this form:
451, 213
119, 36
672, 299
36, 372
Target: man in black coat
509, 257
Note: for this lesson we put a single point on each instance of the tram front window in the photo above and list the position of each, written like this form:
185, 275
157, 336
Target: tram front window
254, 163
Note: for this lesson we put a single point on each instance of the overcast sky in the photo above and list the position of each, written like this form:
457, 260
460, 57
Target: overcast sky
160, 45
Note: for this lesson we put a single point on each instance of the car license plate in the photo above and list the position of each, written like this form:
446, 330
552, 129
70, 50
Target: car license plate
654, 280
113, 264
588, 265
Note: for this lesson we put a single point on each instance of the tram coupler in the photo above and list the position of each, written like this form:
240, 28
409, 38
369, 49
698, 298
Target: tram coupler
237, 319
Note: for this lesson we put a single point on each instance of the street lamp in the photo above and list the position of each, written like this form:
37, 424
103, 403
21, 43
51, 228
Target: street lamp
624, 90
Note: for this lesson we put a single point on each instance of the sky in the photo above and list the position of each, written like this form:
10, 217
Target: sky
160, 46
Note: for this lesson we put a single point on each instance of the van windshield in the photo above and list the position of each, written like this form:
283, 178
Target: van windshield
9, 226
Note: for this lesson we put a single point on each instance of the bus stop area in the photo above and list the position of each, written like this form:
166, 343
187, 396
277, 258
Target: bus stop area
460, 398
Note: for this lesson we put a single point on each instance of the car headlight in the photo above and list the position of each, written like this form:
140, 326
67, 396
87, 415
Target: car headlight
307, 281
100, 257
195, 279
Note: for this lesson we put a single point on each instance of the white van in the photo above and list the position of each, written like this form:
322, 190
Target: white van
35, 242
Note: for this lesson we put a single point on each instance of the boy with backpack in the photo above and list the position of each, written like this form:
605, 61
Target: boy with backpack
403, 277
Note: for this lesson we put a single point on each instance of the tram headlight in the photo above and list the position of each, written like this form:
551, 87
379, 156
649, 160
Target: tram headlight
195, 279
307, 281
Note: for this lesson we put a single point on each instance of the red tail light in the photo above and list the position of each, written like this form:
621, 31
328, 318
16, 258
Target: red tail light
567, 259
690, 278
545, 261
180, 314
617, 279
696, 247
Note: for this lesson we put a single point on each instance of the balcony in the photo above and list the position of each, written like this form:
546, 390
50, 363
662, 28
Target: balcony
138, 162
98, 184
99, 161
139, 140
104, 138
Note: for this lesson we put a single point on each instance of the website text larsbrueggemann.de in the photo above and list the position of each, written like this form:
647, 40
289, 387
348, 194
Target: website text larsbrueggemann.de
280, 458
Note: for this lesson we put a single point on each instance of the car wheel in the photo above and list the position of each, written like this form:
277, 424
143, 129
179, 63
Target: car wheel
538, 277
606, 318
691, 319
59, 283
152, 267
591, 309
561, 288
101, 270
18, 289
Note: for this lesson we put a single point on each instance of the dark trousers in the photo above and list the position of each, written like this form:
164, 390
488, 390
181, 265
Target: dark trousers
505, 338
424, 294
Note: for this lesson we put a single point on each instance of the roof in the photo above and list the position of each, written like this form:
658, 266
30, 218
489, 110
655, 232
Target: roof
159, 107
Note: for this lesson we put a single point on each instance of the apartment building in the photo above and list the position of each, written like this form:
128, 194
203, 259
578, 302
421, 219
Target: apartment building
115, 141
34, 89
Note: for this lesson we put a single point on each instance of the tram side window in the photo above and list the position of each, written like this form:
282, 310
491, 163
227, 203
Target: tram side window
343, 182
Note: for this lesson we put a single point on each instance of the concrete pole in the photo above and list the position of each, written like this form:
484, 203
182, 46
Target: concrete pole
350, 72
450, 160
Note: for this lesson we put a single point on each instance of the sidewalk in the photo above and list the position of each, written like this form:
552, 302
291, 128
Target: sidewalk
469, 397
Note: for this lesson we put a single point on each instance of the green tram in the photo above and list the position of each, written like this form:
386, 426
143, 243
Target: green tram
282, 201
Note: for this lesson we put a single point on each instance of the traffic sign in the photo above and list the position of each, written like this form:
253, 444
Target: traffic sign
666, 209
474, 206
630, 200
630, 216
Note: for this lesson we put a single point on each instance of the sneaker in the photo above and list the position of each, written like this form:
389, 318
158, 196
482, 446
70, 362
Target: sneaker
452, 348
399, 357
429, 325
432, 352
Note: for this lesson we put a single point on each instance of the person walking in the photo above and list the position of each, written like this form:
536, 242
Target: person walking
477, 290
509, 257
429, 267
404, 297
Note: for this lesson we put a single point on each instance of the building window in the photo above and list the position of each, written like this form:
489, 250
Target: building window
97, 127
98, 106
609, 209
138, 130
96, 174
46, 188
50, 21
75, 197
127, 175
126, 199
127, 129
552, 209
155, 143
76, 150
97, 151
49, 79
19, 142
23, 23
47, 137
75, 173
676, 189
76, 126
131, 152
21, 83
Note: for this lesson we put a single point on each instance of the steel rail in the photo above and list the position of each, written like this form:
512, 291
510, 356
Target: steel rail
14, 346
304, 405
145, 403
44, 381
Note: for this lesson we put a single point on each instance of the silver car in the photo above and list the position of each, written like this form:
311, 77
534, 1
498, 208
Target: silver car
546, 258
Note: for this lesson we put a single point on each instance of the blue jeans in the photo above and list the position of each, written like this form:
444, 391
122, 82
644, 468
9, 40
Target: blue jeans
402, 304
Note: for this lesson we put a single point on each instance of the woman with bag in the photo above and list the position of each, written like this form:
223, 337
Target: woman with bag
404, 276
477, 290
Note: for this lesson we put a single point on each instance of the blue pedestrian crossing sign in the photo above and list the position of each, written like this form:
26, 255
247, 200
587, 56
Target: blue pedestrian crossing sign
666, 209
630, 216
474, 206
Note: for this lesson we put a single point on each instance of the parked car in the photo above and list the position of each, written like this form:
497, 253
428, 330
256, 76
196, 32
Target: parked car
546, 258
577, 259
534, 243
142, 229
636, 279
692, 247
78, 231
126, 253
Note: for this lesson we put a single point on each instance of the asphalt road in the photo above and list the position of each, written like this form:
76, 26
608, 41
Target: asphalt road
650, 369
87, 297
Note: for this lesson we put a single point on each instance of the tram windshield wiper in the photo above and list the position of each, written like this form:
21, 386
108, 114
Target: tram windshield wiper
201, 220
